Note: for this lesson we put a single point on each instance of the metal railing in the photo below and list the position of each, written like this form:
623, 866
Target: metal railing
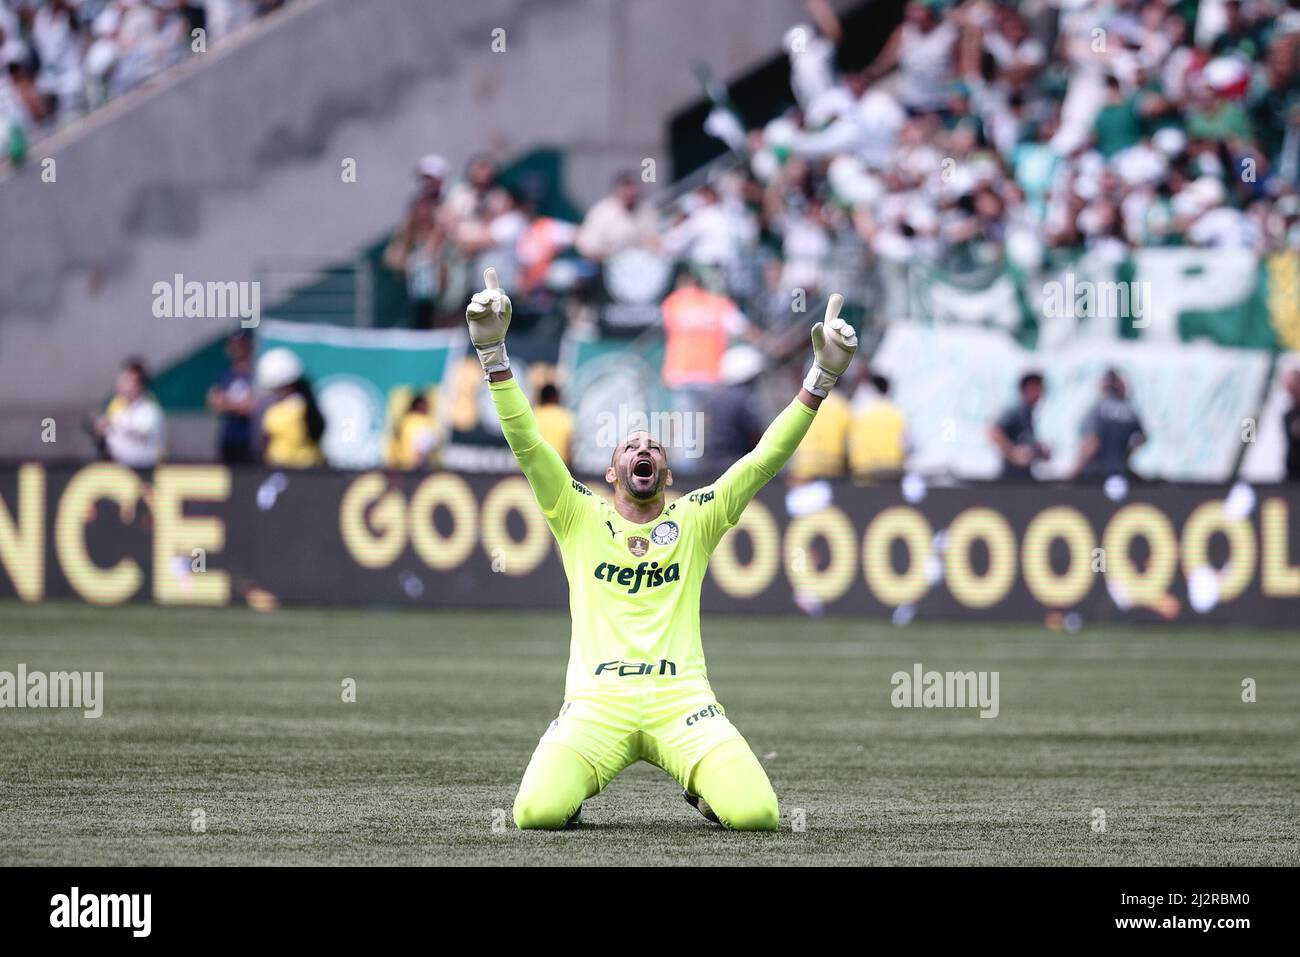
317, 289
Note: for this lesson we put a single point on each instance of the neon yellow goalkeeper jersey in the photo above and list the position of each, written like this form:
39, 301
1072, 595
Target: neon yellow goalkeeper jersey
634, 589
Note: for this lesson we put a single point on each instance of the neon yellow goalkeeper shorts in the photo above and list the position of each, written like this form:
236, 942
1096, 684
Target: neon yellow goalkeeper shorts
670, 729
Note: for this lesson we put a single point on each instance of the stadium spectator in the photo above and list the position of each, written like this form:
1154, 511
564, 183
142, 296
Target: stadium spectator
57, 48
1242, 35
416, 248
1111, 432
542, 241
877, 432
698, 326
713, 231
1291, 425
23, 108
292, 423
1119, 122
133, 427
811, 49
493, 238
231, 398
1013, 432
924, 49
555, 422
467, 198
622, 220
415, 436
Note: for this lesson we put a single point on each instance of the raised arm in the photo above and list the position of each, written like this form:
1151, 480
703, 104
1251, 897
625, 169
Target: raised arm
751, 472
488, 316
541, 464
834, 343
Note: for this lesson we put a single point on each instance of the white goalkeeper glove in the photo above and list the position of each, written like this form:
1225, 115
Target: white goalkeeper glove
488, 315
834, 343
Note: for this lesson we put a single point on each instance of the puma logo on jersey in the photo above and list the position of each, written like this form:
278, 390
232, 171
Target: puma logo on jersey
647, 573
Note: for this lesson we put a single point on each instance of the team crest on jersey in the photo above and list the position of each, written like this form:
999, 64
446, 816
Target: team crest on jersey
665, 533
637, 545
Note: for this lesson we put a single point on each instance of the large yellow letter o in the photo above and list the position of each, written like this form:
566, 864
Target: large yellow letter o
894, 523
517, 557
452, 492
1070, 526
746, 581
980, 591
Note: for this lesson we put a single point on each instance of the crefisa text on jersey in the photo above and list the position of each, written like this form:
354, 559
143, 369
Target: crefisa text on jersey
649, 572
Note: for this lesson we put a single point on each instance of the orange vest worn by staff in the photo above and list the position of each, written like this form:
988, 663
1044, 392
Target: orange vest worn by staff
697, 324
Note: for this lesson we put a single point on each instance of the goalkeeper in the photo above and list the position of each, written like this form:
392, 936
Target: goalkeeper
637, 687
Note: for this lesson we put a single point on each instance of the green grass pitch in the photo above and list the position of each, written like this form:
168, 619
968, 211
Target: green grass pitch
241, 714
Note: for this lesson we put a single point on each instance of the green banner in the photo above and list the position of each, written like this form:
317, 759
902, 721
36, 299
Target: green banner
364, 377
1229, 297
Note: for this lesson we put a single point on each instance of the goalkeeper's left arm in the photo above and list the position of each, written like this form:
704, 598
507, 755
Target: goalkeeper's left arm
488, 315
834, 343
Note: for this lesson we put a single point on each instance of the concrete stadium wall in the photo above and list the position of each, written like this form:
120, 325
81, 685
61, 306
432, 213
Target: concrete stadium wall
237, 156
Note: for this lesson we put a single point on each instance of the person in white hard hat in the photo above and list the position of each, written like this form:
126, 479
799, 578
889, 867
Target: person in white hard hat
292, 425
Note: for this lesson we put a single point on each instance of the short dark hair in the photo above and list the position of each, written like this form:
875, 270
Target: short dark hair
1028, 377
881, 384
549, 395
135, 365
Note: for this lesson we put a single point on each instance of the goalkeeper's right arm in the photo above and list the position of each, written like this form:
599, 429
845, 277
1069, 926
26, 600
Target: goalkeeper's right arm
541, 464
488, 316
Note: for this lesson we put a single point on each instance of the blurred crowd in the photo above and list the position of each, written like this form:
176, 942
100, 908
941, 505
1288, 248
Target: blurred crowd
983, 133
990, 129
63, 58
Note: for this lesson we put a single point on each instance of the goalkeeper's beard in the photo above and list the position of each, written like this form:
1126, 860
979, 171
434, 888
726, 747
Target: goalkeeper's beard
642, 488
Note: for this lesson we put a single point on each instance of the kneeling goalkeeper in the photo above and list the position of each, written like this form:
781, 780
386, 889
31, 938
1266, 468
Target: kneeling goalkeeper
637, 687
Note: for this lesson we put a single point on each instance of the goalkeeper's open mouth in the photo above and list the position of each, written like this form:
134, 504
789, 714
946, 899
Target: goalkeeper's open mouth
643, 476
